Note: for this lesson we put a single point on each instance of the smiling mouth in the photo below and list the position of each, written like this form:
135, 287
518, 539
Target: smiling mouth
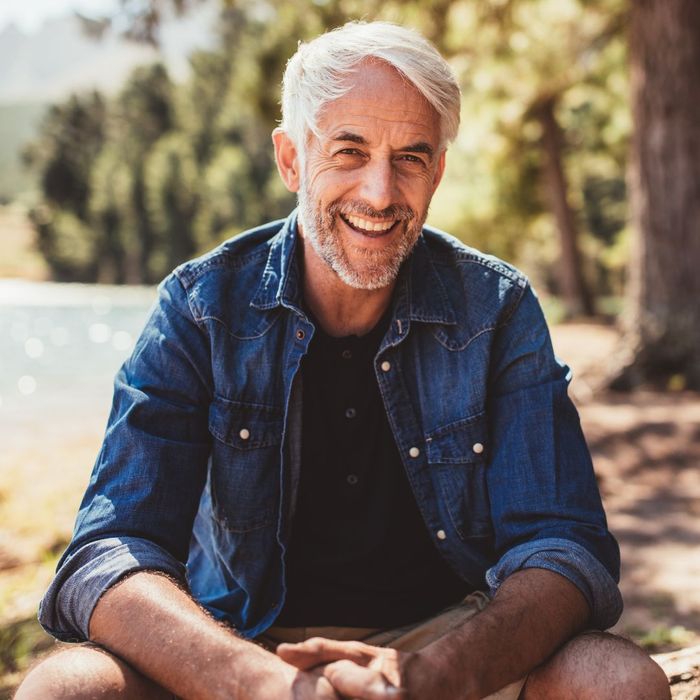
367, 227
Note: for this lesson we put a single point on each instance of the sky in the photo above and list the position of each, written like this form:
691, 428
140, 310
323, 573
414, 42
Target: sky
28, 15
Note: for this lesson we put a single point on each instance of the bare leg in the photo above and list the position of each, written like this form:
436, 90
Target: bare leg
87, 673
598, 666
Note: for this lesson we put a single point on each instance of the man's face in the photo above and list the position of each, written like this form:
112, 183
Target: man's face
368, 179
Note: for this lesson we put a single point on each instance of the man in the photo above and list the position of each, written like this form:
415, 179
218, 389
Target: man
347, 427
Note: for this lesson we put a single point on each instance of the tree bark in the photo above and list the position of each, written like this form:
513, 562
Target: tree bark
572, 284
662, 323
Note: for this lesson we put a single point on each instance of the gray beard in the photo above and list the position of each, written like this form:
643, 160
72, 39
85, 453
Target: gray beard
377, 268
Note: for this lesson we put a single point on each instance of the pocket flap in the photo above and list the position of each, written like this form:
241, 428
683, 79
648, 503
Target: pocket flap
462, 441
245, 426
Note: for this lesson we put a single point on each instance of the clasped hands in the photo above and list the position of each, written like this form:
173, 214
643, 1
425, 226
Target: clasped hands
356, 670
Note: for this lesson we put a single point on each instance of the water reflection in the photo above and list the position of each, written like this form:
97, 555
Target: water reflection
63, 343
26, 384
99, 333
122, 340
33, 347
59, 336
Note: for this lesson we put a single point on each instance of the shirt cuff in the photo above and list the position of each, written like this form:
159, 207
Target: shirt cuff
85, 576
572, 561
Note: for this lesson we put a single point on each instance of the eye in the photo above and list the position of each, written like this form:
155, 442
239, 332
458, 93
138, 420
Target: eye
410, 158
349, 152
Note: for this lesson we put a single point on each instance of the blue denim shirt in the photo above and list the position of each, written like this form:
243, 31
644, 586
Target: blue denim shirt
198, 470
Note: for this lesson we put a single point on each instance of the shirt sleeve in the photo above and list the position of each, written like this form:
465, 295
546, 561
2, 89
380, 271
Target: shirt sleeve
144, 491
545, 502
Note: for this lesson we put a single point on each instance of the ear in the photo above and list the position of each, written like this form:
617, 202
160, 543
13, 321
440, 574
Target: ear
440, 169
287, 158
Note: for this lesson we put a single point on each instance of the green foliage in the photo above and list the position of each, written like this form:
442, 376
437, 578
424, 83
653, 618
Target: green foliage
71, 137
165, 171
170, 183
663, 638
66, 242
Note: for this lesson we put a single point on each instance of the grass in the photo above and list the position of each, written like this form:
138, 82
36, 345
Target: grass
41, 483
20, 643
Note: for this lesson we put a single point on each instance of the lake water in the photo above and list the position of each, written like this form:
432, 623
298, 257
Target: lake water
61, 344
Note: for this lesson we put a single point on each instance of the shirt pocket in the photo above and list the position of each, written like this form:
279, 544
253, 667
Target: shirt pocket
245, 464
458, 457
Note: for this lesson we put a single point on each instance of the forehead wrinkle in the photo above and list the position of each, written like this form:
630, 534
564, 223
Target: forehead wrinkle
382, 108
362, 129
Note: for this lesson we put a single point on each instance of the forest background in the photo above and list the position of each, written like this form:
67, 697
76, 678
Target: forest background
578, 160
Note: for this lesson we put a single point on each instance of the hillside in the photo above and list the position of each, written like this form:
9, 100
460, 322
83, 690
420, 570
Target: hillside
47, 65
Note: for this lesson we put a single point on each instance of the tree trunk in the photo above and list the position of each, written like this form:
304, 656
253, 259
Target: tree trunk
662, 323
572, 284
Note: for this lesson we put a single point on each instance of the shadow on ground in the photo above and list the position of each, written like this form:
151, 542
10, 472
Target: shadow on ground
646, 450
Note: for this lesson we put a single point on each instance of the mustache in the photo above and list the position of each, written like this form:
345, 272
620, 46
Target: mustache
360, 208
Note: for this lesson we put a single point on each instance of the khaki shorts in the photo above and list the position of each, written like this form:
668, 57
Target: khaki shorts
409, 638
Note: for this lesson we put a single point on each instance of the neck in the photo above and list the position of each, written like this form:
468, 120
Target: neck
340, 309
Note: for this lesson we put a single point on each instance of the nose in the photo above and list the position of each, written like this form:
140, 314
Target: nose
378, 184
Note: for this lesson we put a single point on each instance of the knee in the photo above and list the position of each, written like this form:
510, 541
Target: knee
633, 673
74, 673
598, 665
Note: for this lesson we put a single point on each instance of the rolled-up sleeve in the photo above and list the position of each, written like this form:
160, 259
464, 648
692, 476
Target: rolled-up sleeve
144, 491
545, 502
87, 573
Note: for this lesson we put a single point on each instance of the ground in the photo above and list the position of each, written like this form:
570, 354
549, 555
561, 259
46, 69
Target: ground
646, 450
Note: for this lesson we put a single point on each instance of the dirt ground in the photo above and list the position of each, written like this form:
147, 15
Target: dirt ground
646, 450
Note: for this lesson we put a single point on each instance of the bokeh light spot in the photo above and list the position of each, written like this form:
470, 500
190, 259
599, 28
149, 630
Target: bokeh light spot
99, 332
33, 347
26, 385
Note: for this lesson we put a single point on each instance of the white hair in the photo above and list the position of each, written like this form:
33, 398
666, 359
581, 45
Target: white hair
320, 72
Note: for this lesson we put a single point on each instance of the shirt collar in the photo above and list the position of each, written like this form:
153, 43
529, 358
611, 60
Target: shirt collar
420, 294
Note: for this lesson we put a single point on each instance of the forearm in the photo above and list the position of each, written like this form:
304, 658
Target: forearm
533, 613
150, 622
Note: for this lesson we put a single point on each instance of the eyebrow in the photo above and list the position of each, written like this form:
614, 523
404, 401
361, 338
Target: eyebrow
418, 147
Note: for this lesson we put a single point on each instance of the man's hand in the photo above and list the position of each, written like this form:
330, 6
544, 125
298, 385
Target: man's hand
361, 671
153, 625
297, 684
533, 613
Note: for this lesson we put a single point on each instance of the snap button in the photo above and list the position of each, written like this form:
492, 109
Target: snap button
441, 535
350, 413
346, 355
414, 452
300, 334
386, 366
244, 434
478, 448
352, 479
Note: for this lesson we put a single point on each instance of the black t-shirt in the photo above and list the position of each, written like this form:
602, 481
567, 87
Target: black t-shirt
360, 554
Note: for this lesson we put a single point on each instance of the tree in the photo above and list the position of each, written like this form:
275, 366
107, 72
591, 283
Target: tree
663, 323
538, 153
141, 114
111, 220
170, 179
69, 141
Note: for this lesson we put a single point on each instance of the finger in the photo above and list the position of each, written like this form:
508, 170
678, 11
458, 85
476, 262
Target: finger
316, 651
313, 685
354, 681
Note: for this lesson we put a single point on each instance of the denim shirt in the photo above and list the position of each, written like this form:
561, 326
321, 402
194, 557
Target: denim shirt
198, 469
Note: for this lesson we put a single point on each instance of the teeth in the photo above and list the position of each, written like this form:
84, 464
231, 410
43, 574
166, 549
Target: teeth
367, 225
